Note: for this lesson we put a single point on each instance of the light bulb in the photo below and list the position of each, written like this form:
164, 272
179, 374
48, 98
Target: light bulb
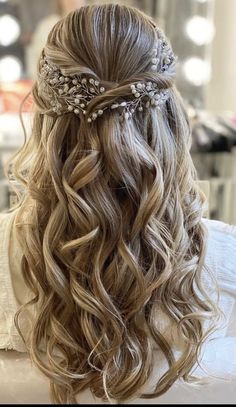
197, 71
10, 69
9, 30
200, 30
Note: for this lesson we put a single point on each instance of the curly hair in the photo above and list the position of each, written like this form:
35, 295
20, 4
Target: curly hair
110, 222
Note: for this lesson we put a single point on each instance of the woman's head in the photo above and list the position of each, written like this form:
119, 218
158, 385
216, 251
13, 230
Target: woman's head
113, 239
115, 47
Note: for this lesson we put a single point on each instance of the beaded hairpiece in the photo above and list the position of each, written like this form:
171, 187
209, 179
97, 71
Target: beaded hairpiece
73, 93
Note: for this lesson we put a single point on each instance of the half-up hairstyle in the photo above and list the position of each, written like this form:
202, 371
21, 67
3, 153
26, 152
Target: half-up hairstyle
110, 222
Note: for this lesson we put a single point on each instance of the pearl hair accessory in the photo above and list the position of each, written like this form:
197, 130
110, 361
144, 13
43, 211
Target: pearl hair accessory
166, 56
75, 92
146, 95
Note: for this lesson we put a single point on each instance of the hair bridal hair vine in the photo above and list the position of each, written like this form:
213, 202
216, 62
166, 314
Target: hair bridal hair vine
74, 92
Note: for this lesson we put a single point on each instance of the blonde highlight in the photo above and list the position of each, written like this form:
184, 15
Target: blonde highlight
111, 222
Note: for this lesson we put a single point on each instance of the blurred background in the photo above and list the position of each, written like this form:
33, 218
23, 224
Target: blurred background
203, 35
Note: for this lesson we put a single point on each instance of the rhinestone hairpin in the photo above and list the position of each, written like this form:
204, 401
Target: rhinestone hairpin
73, 93
166, 57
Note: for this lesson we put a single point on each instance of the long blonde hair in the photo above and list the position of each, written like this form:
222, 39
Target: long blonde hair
111, 220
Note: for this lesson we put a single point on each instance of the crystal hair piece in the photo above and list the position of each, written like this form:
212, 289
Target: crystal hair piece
73, 93
162, 55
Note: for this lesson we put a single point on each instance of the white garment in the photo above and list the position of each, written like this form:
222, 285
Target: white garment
218, 354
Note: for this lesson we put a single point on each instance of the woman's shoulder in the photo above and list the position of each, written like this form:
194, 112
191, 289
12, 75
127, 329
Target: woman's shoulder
223, 236
221, 252
6, 217
220, 229
6, 220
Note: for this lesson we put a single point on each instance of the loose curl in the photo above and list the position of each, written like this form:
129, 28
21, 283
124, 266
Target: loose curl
111, 221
